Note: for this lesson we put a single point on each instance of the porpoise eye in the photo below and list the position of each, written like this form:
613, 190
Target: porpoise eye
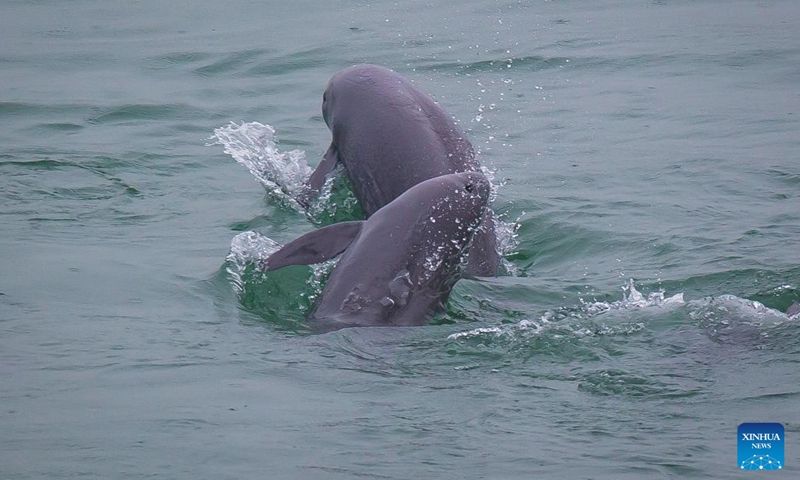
469, 187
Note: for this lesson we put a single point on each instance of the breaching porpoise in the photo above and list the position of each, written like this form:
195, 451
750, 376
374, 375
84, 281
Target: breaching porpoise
389, 136
399, 265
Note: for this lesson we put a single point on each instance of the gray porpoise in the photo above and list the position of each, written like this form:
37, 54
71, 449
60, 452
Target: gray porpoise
389, 136
399, 265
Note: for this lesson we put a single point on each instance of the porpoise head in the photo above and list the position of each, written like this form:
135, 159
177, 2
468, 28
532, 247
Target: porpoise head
369, 79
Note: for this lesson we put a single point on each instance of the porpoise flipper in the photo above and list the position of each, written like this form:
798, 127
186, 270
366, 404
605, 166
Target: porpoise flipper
316, 246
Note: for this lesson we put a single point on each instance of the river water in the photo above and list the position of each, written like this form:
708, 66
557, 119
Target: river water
645, 155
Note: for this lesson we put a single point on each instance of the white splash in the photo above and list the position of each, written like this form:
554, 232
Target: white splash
507, 241
335, 199
529, 327
319, 276
632, 299
247, 248
493, 187
252, 249
254, 145
506, 236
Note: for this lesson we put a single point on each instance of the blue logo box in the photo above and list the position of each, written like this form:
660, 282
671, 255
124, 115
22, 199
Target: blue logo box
761, 446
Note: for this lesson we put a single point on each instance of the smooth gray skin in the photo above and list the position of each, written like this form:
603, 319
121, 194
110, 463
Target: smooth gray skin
389, 136
398, 266
793, 310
